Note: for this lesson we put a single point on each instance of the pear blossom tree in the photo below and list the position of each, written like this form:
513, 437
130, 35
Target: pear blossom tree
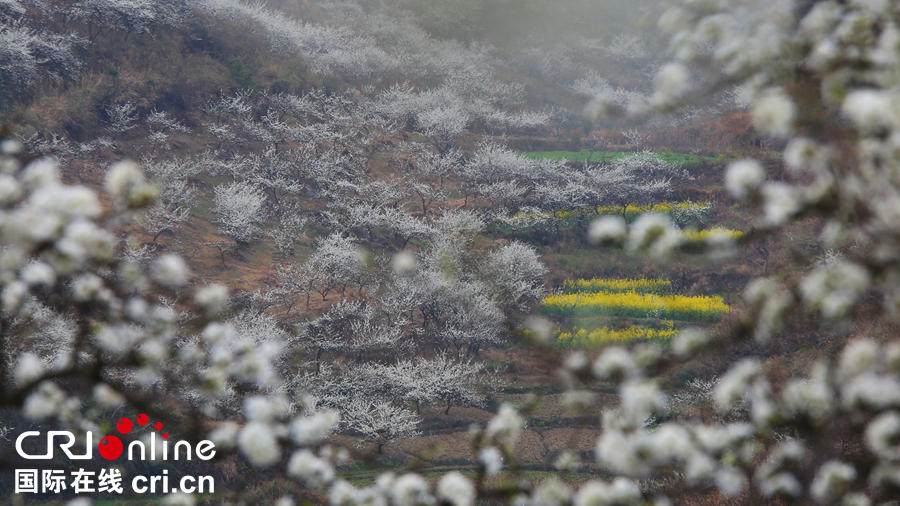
288, 231
164, 218
297, 280
339, 259
122, 118
440, 379
27, 54
638, 179
379, 422
241, 208
516, 273
427, 175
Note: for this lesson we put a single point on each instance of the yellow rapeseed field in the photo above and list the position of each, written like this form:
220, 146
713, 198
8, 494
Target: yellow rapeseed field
636, 305
701, 235
616, 285
605, 335
661, 207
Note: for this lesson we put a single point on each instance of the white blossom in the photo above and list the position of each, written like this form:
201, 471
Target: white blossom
311, 430
456, 489
858, 357
44, 402
575, 361
781, 203
882, 435
257, 442
774, 114
671, 82
812, 398
212, 297
743, 177
621, 492
10, 190
126, 181
733, 385
805, 155
620, 452
834, 289
266, 408
343, 493
655, 233
567, 461
641, 399
170, 270
730, 481
872, 391
690, 341
607, 229
41, 173
225, 435
492, 459
404, 261
13, 297
315, 472
107, 397
38, 273
612, 363
410, 490
831, 479
871, 109
552, 492
28, 369
179, 499
506, 424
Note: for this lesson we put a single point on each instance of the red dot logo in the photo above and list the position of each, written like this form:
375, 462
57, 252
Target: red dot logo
142, 419
123, 425
110, 447
165, 435
157, 425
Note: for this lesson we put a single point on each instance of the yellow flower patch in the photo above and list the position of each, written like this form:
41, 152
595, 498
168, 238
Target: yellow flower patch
616, 285
605, 335
701, 235
636, 305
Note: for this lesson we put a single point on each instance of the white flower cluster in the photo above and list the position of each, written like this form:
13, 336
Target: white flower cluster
862, 385
654, 233
407, 490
